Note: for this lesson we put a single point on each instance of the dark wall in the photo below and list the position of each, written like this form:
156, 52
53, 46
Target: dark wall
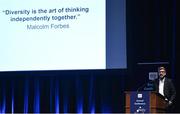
152, 38
63, 91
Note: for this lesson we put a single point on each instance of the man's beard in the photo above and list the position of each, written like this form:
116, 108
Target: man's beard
161, 77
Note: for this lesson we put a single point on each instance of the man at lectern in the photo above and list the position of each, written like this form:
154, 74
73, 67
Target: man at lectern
166, 88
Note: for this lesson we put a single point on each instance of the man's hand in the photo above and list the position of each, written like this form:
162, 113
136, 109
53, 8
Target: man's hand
170, 102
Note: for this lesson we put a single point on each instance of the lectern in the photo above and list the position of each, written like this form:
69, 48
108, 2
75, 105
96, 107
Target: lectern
144, 102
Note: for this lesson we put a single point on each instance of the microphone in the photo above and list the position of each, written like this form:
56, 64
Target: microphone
149, 86
141, 87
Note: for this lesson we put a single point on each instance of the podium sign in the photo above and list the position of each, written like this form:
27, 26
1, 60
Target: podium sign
139, 102
144, 102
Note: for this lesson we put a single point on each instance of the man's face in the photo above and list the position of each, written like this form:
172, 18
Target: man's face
162, 73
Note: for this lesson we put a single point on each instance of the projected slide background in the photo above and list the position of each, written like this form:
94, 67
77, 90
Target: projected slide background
58, 35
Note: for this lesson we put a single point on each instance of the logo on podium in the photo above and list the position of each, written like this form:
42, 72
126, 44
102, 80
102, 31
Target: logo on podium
140, 102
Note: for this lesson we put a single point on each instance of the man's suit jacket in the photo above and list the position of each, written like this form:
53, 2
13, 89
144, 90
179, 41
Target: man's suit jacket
169, 89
